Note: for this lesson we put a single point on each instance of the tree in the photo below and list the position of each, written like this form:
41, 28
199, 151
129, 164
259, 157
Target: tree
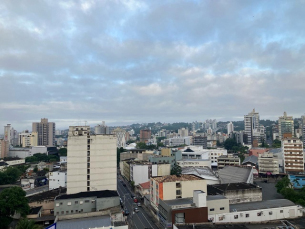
283, 183
176, 170
12, 200
229, 143
9, 176
276, 143
28, 224
35, 170
141, 145
62, 151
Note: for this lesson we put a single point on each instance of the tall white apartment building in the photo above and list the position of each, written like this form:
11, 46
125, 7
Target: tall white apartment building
183, 132
292, 149
92, 161
121, 137
286, 125
230, 127
46, 132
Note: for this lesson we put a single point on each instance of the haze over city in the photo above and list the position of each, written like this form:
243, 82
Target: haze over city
147, 61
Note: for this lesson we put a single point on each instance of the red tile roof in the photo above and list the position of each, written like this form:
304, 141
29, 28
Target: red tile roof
145, 185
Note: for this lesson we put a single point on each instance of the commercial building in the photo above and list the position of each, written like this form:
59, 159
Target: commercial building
85, 202
261, 211
268, 164
46, 132
174, 187
27, 152
225, 160
292, 149
184, 210
57, 179
145, 135
237, 192
286, 125
193, 152
200, 141
92, 163
194, 163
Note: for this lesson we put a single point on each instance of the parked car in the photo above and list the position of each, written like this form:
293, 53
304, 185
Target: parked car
136, 209
139, 205
124, 184
135, 200
132, 196
126, 212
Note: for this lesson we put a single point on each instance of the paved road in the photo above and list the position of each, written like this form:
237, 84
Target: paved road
139, 220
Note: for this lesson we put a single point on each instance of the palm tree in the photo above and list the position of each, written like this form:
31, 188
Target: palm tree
27, 224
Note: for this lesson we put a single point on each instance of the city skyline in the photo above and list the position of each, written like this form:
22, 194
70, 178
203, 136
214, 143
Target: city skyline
130, 62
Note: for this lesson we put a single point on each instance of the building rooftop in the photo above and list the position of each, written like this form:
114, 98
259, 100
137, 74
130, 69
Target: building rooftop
48, 195
181, 201
35, 210
145, 185
216, 197
13, 158
203, 172
174, 178
90, 222
98, 194
251, 159
3, 163
234, 174
188, 150
265, 204
215, 189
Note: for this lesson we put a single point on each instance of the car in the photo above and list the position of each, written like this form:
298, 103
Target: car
136, 209
135, 200
126, 212
139, 205
124, 184
132, 196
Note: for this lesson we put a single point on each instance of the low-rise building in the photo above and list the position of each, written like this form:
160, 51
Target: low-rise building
236, 192
297, 180
178, 141
225, 160
85, 202
174, 187
255, 151
11, 161
141, 154
143, 189
251, 161
261, 211
217, 204
57, 179
200, 141
268, 164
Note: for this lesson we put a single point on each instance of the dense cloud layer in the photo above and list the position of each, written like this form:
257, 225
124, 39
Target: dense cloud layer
143, 61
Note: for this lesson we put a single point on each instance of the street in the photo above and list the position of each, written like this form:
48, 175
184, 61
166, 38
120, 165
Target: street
139, 220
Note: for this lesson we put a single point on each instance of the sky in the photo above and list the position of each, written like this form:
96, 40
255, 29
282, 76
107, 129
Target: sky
129, 61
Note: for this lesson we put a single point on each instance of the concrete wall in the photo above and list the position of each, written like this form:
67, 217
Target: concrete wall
140, 174
244, 195
192, 163
57, 179
164, 169
218, 206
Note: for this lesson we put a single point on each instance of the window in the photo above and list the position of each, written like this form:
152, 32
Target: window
259, 213
247, 215
67, 212
86, 201
76, 211
270, 213
71, 211
57, 213
60, 203
212, 209
281, 211
178, 185
76, 202
222, 208
235, 216
178, 192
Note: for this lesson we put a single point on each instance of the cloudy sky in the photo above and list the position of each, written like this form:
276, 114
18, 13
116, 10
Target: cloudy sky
129, 61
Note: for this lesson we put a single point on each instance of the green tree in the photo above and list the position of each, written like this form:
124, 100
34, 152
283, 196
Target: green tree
229, 143
9, 175
283, 183
12, 200
176, 170
28, 224
276, 143
141, 145
62, 151
35, 170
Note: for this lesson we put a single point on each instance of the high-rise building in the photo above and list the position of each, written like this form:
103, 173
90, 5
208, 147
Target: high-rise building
251, 122
92, 161
145, 135
286, 125
121, 137
27, 139
46, 132
230, 127
4, 148
303, 130
292, 149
